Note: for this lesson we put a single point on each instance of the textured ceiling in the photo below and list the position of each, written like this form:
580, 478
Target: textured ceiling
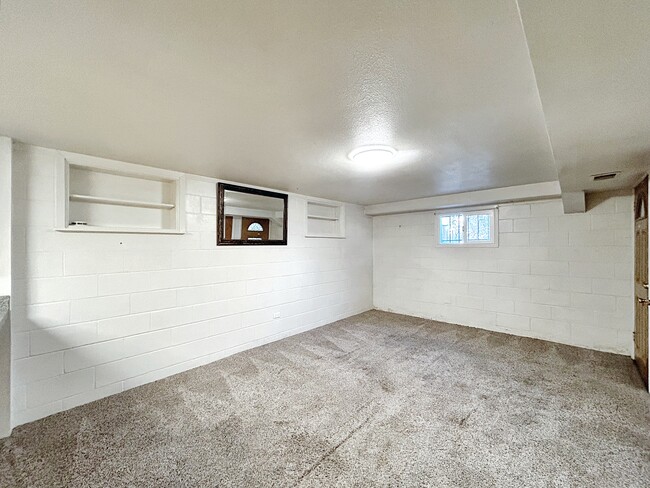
592, 62
276, 93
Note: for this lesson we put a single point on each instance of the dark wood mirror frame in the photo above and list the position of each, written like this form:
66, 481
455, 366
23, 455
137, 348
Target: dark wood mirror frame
222, 241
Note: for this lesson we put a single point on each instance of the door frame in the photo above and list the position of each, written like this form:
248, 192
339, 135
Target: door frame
642, 218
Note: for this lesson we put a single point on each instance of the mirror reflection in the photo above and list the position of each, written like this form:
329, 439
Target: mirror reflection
250, 216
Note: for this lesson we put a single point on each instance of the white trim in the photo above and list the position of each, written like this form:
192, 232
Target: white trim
61, 201
181, 184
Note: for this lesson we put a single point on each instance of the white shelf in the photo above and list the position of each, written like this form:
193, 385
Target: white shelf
115, 230
327, 236
118, 201
321, 217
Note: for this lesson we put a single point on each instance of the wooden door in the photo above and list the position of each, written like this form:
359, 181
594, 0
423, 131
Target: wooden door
250, 231
641, 278
228, 227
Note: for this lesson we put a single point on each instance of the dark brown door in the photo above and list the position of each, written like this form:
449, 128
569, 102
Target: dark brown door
250, 229
228, 227
641, 278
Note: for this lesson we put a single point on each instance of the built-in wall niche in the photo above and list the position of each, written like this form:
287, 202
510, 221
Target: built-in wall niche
325, 219
99, 195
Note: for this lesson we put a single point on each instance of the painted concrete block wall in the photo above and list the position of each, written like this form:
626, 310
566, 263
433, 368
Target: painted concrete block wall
96, 314
5, 367
5, 284
564, 278
5, 215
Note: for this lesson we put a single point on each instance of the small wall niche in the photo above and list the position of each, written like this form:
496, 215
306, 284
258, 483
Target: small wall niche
325, 219
99, 195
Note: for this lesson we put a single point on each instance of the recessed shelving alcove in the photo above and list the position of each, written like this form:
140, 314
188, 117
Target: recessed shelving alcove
325, 219
100, 195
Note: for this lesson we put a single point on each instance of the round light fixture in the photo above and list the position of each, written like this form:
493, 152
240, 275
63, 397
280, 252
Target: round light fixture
374, 154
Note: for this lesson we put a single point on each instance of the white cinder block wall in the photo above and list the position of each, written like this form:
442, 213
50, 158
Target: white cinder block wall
5, 284
564, 278
95, 314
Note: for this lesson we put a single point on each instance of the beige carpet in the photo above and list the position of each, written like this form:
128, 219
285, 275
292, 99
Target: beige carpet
374, 400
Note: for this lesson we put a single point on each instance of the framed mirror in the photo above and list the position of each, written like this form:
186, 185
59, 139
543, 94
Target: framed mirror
250, 217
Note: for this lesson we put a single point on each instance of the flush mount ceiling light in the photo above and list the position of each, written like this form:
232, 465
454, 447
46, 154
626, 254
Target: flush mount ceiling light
374, 154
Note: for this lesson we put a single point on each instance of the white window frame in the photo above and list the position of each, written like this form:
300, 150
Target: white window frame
494, 226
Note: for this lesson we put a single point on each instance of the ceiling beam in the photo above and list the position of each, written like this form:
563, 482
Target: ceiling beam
574, 202
535, 191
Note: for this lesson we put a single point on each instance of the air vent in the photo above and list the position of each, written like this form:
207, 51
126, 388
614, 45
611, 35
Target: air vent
605, 176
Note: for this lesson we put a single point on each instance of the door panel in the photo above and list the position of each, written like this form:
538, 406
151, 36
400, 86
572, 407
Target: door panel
228, 227
259, 235
641, 278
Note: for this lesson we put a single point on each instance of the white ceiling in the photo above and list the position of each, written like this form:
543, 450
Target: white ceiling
592, 62
276, 93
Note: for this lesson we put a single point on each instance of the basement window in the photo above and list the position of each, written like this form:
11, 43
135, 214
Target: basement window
471, 228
